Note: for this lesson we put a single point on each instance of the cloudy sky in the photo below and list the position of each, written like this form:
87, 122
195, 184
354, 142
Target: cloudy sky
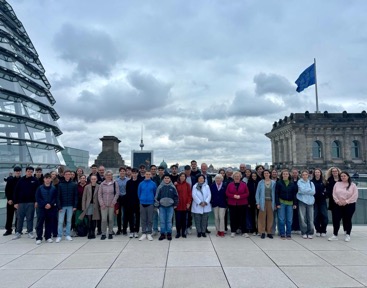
206, 78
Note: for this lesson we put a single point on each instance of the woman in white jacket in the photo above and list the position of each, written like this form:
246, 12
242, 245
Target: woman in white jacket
201, 207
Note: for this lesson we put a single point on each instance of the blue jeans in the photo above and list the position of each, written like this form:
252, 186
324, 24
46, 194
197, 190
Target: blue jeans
165, 216
305, 213
69, 214
285, 217
155, 220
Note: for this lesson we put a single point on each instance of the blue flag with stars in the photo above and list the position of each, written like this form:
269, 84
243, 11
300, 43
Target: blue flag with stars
307, 78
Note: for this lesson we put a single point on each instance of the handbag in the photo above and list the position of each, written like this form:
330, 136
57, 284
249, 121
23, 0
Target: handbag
82, 228
117, 204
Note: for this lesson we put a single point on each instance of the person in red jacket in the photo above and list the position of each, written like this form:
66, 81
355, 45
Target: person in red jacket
184, 202
237, 194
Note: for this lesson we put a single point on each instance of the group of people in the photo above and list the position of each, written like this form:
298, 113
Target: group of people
257, 202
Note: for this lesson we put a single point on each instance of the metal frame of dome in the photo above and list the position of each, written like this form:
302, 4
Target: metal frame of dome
28, 128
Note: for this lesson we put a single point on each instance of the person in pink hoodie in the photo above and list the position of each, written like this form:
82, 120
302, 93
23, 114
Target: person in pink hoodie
345, 194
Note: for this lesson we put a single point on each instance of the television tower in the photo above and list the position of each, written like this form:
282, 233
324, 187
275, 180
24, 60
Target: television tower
141, 140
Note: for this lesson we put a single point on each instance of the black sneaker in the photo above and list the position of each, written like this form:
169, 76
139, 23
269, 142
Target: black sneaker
103, 237
262, 235
207, 231
169, 236
270, 236
110, 236
199, 235
203, 234
7, 233
178, 235
162, 237
184, 235
118, 232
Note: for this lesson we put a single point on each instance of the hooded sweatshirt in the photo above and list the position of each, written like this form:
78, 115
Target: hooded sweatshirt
306, 191
166, 195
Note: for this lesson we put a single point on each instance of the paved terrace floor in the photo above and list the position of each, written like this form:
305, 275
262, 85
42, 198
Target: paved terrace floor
192, 262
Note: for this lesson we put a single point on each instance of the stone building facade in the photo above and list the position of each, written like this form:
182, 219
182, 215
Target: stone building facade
310, 140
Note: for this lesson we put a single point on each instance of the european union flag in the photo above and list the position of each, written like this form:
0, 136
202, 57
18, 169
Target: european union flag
307, 78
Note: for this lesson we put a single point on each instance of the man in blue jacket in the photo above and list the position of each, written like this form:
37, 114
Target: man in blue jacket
24, 201
146, 194
46, 196
67, 200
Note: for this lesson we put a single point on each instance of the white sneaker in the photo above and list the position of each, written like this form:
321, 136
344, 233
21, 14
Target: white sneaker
16, 236
347, 238
38, 242
323, 234
131, 235
143, 236
58, 239
245, 235
318, 234
136, 235
49, 240
233, 234
309, 236
69, 238
254, 234
31, 235
150, 238
333, 238
189, 230
304, 236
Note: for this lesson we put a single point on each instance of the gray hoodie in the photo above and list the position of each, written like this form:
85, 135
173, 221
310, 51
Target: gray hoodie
166, 195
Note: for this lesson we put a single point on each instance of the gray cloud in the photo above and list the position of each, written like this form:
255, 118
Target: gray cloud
273, 83
136, 96
93, 51
245, 104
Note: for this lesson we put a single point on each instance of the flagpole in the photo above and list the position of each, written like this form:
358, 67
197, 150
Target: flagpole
317, 96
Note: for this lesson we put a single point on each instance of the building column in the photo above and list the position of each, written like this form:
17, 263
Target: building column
327, 146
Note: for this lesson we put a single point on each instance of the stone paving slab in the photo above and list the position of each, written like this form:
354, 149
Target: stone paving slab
192, 262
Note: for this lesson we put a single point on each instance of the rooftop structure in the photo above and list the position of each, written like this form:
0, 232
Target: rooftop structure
28, 128
310, 140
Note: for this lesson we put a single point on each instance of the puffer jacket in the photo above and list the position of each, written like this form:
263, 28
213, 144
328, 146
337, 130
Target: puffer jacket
108, 193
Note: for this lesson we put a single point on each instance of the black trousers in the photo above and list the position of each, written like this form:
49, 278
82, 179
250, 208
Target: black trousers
252, 213
335, 216
121, 218
344, 213
295, 222
55, 222
132, 214
237, 217
181, 219
320, 216
45, 216
91, 225
10, 211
